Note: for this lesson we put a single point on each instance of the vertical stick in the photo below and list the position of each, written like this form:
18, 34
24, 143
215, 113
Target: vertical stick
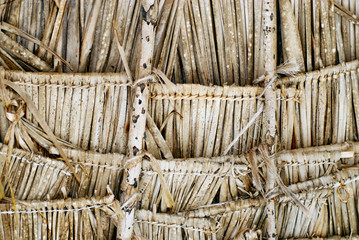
270, 45
130, 184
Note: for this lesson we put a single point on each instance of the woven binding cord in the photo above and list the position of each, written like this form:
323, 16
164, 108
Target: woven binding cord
303, 164
106, 84
229, 173
38, 164
213, 98
159, 224
55, 210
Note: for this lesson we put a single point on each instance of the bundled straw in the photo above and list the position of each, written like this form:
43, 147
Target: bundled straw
89, 218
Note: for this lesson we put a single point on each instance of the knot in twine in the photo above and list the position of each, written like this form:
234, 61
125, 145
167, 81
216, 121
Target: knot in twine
15, 111
344, 187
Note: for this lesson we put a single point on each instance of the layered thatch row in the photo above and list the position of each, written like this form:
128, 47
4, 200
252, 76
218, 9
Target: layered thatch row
332, 207
96, 172
202, 121
312, 109
206, 42
34, 177
328, 108
89, 110
236, 217
308, 163
85, 218
202, 181
168, 226
331, 204
192, 182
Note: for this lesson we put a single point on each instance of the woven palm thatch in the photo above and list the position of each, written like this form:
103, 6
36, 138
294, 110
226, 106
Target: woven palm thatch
87, 218
328, 105
201, 181
236, 217
332, 26
96, 171
194, 101
33, 176
81, 31
166, 226
328, 193
314, 108
198, 41
333, 210
88, 110
200, 121
233, 132
192, 182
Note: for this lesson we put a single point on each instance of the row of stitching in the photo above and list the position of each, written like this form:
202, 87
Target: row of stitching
39, 164
55, 210
73, 85
175, 226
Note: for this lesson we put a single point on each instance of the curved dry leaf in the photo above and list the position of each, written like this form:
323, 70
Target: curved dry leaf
10, 28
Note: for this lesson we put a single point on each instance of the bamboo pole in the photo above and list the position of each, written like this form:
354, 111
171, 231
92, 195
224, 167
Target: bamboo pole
270, 53
130, 184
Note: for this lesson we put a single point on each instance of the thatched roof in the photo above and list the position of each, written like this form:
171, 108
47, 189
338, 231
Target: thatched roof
206, 119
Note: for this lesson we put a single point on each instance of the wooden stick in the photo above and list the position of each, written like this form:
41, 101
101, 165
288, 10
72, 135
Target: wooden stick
270, 63
129, 187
